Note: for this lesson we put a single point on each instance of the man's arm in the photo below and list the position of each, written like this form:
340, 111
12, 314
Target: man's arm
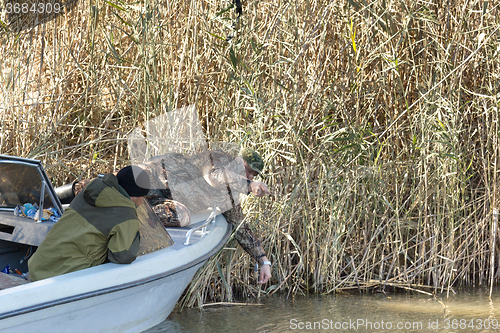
221, 170
221, 177
123, 244
248, 241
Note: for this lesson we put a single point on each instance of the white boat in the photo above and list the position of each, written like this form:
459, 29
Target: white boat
105, 298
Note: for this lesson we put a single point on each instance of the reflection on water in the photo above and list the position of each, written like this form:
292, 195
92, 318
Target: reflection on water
464, 312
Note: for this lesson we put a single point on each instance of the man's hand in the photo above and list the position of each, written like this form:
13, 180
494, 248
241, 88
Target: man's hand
259, 189
265, 272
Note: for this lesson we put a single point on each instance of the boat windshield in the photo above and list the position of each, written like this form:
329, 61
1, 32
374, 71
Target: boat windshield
20, 184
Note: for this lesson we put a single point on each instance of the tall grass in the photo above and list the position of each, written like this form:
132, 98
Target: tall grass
378, 122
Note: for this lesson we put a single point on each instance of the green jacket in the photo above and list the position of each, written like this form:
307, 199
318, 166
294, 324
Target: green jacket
100, 224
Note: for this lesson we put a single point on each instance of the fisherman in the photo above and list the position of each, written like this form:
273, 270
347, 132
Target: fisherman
100, 225
203, 180
208, 179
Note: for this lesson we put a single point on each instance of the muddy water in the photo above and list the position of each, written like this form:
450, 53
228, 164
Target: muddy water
464, 312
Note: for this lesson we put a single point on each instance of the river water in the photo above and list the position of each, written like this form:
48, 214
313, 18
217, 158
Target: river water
345, 312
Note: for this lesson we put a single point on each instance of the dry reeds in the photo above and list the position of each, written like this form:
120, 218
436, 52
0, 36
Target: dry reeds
378, 122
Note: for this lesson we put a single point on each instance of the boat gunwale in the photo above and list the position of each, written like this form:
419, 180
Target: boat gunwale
123, 286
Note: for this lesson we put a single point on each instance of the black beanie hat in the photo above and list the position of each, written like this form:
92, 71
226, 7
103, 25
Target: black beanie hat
134, 181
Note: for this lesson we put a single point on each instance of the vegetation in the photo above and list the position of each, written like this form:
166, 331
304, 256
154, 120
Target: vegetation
378, 121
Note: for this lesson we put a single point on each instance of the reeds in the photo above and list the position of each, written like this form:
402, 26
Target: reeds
378, 123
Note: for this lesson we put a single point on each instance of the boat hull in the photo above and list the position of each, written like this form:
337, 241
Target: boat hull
129, 310
112, 297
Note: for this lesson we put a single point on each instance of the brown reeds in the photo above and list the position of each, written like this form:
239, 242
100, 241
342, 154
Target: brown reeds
378, 122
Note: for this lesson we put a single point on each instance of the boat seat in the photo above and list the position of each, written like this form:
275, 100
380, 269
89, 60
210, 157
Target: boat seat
11, 280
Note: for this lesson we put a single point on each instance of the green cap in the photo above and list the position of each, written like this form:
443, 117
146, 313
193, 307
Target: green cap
253, 159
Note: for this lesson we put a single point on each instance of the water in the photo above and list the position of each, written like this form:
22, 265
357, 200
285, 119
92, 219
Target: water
464, 312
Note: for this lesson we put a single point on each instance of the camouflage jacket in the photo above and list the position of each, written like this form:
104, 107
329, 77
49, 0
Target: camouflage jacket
201, 181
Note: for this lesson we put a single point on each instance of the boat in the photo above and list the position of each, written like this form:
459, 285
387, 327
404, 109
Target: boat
105, 298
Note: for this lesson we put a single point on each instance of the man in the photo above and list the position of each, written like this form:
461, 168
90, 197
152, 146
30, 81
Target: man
100, 225
198, 182
207, 179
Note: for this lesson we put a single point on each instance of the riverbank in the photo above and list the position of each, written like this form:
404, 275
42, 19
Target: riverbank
378, 124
